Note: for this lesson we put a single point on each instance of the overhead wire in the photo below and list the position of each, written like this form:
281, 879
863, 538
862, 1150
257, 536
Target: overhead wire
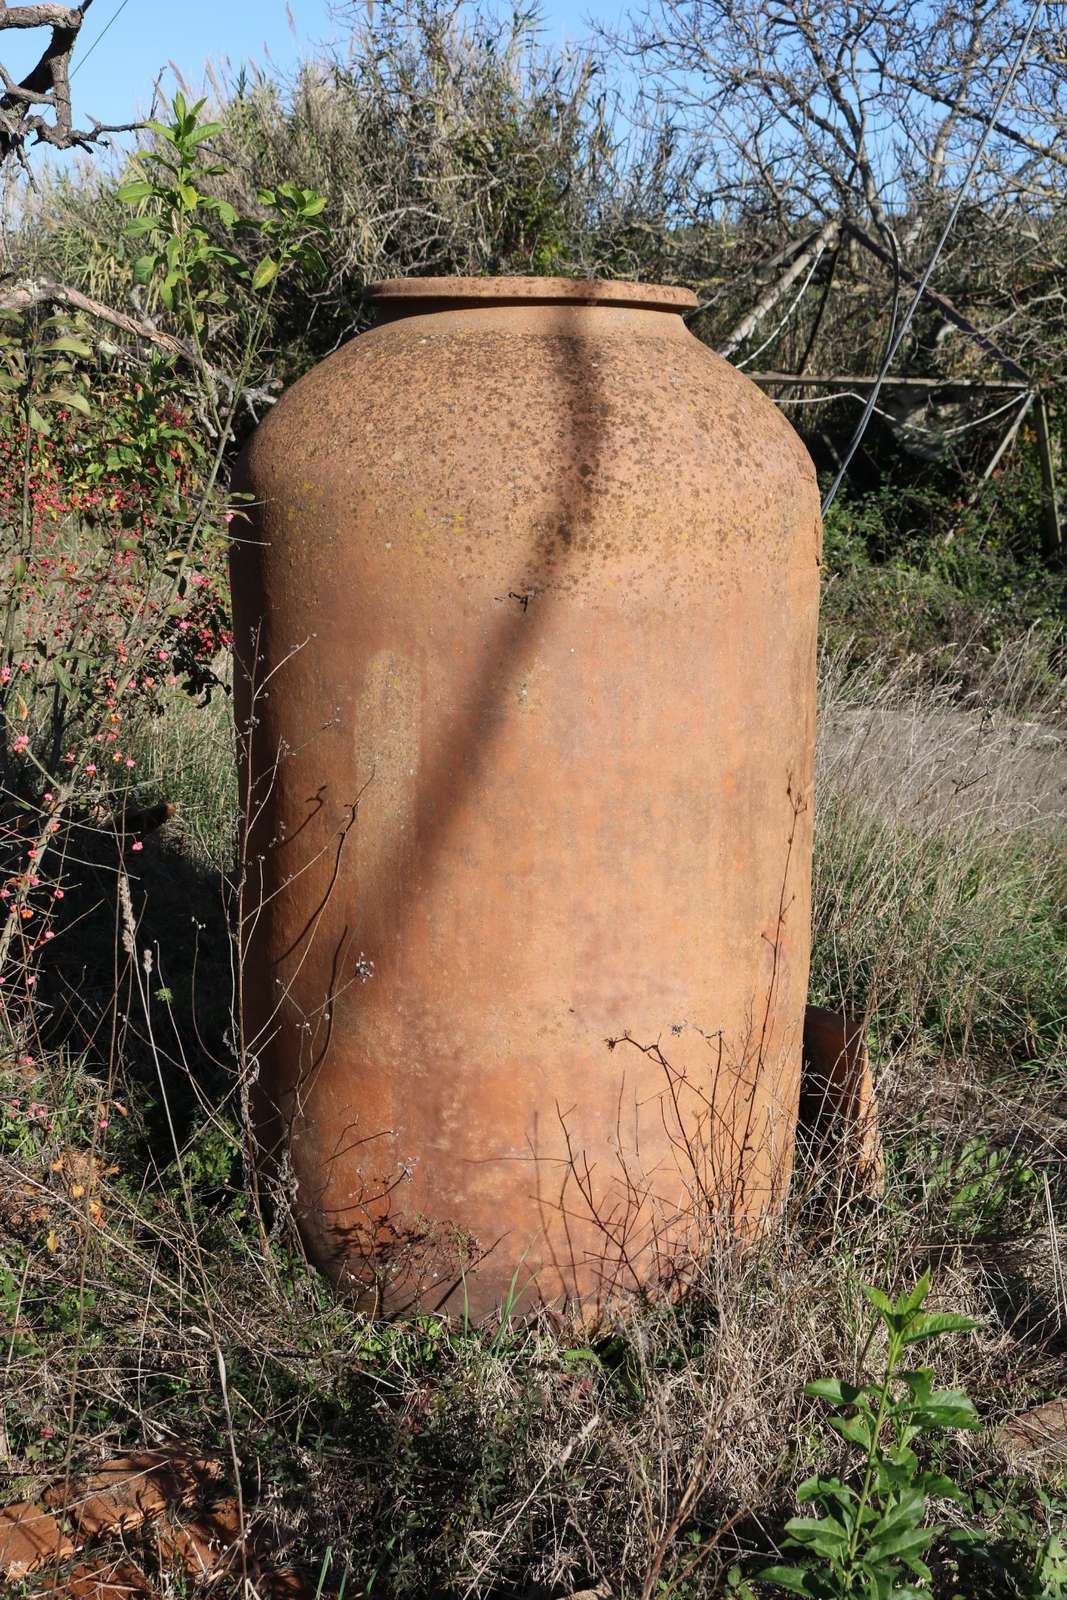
116, 14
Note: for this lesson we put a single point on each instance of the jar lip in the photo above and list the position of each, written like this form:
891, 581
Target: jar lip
535, 291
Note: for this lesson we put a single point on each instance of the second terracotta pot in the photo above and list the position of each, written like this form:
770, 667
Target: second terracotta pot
525, 620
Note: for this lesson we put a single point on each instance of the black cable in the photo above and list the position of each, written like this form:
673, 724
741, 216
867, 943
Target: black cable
114, 18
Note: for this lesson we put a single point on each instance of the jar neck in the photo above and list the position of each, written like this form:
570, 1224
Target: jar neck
544, 317
570, 305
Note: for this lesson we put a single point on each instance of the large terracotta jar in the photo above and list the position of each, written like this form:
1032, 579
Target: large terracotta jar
525, 617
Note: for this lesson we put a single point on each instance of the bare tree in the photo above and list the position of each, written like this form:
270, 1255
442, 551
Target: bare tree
831, 138
39, 106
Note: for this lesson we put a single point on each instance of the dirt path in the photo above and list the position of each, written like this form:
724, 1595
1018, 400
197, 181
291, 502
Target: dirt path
965, 764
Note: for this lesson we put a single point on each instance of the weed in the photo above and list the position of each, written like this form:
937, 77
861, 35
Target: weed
870, 1532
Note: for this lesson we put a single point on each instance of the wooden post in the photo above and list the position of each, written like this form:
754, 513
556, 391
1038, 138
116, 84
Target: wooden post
1052, 534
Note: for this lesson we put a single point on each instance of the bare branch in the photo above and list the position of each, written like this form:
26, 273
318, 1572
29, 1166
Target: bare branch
1009, 365
46, 85
826, 235
30, 292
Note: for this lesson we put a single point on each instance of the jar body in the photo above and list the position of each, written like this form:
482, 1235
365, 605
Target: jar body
525, 619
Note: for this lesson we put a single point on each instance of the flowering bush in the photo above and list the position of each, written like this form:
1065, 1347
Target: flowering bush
113, 526
103, 615
98, 587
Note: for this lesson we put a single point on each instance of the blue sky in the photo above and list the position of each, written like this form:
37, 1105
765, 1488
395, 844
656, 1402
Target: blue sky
113, 77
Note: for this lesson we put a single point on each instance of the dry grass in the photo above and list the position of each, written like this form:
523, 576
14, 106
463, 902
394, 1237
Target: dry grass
142, 1306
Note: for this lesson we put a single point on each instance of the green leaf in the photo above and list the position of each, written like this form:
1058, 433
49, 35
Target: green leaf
37, 422
928, 1327
857, 1430
265, 273
907, 1512
907, 1542
143, 268
224, 210
795, 1579
69, 397
190, 196
835, 1389
881, 1302
826, 1489
72, 346
312, 260
947, 1409
937, 1486
912, 1301
313, 206
819, 1532
206, 130
918, 1383
139, 189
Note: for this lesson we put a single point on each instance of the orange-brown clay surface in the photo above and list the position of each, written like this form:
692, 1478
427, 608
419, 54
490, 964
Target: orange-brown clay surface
526, 613
838, 1108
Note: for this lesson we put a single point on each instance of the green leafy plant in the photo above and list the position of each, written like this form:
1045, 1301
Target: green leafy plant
1021, 1554
36, 369
113, 516
980, 1186
188, 233
870, 1536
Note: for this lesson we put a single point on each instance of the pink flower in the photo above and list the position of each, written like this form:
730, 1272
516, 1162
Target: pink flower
102, 1123
91, 769
22, 742
137, 845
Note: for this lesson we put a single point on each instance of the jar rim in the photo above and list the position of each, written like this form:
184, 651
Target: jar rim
535, 291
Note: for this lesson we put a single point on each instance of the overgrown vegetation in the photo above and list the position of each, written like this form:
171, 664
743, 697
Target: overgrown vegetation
143, 1298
